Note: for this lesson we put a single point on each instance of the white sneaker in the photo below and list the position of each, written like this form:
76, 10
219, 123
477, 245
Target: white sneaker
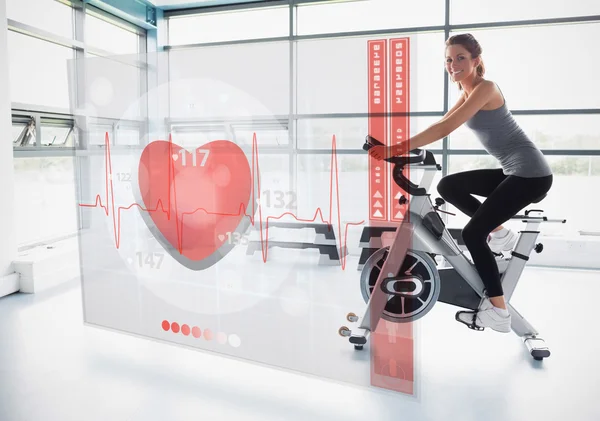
506, 243
486, 316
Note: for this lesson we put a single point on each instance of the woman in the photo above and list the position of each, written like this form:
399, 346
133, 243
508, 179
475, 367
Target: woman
524, 175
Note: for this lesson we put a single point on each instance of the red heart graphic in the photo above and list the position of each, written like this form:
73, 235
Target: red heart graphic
195, 201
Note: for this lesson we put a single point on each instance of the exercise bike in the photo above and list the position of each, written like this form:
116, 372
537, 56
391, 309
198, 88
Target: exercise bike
401, 283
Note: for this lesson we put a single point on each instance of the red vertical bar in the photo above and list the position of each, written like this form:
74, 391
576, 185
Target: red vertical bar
392, 343
400, 103
378, 175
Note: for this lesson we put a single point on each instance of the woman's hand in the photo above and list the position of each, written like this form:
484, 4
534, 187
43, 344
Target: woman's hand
380, 152
383, 152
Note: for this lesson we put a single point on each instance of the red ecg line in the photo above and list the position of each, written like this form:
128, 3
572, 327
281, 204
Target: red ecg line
116, 215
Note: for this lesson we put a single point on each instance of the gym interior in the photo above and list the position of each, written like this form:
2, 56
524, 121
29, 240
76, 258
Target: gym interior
192, 227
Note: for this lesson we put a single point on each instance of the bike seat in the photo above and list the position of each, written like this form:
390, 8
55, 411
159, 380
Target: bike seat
539, 199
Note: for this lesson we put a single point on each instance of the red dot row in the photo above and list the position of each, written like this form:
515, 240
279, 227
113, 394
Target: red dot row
186, 330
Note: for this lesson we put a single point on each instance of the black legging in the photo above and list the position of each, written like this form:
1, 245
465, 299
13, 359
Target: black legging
506, 196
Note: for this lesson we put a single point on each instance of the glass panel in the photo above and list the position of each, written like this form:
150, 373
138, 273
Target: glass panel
469, 11
28, 84
229, 26
317, 133
562, 131
275, 134
546, 131
112, 87
333, 74
17, 130
240, 133
23, 133
128, 136
573, 195
277, 197
367, 15
57, 134
45, 200
106, 36
242, 82
314, 191
97, 134
575, 177
197, 136
525, 64
48, 15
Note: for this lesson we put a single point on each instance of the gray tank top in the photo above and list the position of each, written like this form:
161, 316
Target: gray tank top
504, 139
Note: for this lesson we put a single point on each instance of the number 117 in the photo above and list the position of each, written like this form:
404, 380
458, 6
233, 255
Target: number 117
183, 153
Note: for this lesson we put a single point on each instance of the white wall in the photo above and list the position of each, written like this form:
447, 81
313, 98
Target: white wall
8, 244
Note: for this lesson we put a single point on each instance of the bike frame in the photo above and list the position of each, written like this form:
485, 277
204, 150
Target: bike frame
412, 234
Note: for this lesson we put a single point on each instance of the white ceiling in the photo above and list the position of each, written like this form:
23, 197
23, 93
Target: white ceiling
183, 4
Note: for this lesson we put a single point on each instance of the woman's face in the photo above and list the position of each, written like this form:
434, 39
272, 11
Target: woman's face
459, 63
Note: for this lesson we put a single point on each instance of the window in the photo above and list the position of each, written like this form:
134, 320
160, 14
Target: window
45, 200
107, 36
57, 133
128, 135
97, 134
233, 83
460, 163
546, 131
49, 15
229, 26
469, 11
573, 195
317, 133
527, 63
333, 74
562, 131
353, 16
267, 133
23, 131
195, 136
38, 71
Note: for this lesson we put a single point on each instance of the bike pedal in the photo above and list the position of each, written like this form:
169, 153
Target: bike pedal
473, 325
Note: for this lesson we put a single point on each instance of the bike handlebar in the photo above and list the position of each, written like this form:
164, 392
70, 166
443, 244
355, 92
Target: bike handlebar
421, 156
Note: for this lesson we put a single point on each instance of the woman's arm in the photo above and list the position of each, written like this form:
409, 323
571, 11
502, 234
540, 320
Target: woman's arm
480, 96
460, 102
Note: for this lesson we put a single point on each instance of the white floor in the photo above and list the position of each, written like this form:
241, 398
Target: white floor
53, 368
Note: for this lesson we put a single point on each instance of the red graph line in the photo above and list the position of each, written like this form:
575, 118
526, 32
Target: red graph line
116, 215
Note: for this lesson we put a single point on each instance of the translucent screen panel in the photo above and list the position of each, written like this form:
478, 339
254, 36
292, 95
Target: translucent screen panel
210, 241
